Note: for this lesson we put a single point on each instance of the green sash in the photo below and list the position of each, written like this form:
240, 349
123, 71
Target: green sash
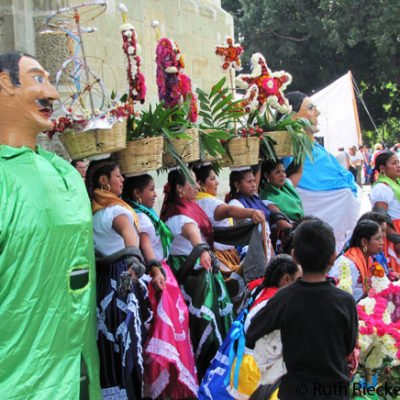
162, 230
286, 199
394, 184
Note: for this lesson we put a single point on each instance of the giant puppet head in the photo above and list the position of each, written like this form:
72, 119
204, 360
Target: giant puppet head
304, 108
26, 99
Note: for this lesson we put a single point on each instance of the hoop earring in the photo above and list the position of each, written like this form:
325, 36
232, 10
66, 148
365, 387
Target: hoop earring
105, 188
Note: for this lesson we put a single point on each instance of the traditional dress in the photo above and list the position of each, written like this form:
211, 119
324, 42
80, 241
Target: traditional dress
170, 370
204, 291
48, 322
122, 319
226, 254
353, 272
286, 198
328, 191
387, 191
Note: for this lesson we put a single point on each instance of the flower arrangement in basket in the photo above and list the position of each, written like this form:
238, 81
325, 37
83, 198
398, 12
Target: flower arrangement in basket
222, 114
92, 135
280, 134
379, 330
176, 94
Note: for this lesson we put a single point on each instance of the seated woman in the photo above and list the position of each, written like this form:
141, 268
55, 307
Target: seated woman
276, 187
123, 309
243, 193
220, 214
170, 328
385, 198
353, 268
195, 267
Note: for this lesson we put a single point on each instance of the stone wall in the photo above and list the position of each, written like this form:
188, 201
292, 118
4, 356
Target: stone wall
196, 25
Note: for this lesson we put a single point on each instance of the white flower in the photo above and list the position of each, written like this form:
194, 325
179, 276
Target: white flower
386, 317
391, 307
380, 283
389, 346
128, 33
369, 304
171, 70
131, 50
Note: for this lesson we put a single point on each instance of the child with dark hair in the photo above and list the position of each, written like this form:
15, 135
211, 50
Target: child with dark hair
318, 322
281, 271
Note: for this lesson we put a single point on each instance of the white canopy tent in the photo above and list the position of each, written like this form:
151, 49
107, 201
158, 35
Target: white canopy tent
339, 123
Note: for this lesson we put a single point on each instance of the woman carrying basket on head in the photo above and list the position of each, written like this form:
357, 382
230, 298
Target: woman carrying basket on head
196, 269
170, 367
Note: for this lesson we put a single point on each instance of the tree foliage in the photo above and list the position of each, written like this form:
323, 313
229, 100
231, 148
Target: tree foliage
317, 41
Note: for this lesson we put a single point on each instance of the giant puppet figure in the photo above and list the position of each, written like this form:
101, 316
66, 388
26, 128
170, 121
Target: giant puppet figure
47, 277
327, 190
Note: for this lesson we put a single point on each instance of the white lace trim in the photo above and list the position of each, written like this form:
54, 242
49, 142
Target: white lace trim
179, 336
114, 393
198, 313
158, 386
166, 350
204, 337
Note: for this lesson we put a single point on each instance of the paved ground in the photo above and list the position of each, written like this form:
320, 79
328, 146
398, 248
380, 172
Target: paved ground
365, 203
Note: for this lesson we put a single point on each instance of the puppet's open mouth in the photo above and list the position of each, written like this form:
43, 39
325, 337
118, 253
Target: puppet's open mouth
46, 107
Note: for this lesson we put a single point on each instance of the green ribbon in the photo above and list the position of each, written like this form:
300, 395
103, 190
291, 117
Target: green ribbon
394, 184
162, 230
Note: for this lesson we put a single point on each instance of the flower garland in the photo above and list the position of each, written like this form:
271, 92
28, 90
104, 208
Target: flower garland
270, 84
136, 80
174, 87
345, 281
379, 320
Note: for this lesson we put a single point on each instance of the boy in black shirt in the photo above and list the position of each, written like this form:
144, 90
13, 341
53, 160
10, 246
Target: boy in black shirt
318, 322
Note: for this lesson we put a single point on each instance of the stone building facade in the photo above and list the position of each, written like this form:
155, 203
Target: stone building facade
196, 25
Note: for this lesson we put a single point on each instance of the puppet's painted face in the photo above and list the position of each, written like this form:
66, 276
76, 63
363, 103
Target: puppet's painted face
33, 98
309, 111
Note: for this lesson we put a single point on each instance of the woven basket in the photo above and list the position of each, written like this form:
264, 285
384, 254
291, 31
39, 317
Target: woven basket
141, 155
283, 146
97, 141
187, 149
244, 151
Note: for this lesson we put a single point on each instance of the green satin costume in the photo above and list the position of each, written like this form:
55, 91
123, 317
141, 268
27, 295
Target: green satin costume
45, 232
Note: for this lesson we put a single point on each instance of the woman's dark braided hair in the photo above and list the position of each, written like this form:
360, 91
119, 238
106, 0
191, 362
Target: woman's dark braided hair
279, 266
95, 170
175, 177
364, 229
135, 182
203, 172
382, 159
235, 177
